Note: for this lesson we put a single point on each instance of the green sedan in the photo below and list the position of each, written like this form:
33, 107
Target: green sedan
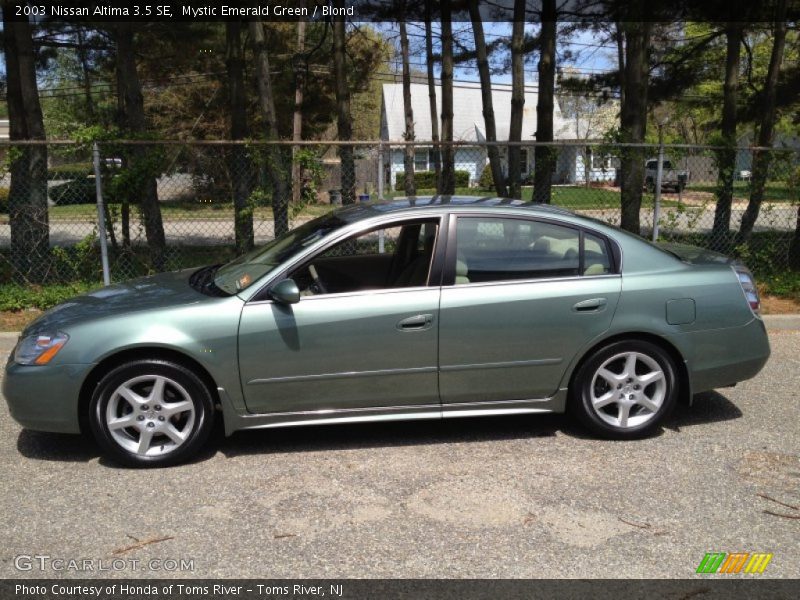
421, 308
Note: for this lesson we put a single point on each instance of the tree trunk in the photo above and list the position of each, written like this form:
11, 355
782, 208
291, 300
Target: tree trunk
27, 197
633, 121
437, 159
408, 151
763, 158
277, 166
544, 157
145, 190
794, 247
344, 120
486, 97
726, 158
619, 38
300, 66
238, 162
517, 99
448, 155
85, 73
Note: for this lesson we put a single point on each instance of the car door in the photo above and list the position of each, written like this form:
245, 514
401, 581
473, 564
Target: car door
523, 296
358, 340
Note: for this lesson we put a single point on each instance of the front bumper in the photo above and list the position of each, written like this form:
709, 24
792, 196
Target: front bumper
45, 398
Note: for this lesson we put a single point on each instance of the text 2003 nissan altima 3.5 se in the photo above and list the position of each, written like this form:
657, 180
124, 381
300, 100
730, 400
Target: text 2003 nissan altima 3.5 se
421, 308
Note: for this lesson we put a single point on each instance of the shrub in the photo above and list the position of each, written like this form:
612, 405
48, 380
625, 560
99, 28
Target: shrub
19, 297
426, 180
77, 191
3, 200
71, 171
486, 180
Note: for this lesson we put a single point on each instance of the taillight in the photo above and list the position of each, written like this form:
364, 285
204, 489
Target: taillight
748, 287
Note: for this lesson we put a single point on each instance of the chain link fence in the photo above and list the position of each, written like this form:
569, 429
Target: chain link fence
173, 205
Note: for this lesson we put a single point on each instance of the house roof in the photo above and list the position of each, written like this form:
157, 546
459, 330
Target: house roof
468, 124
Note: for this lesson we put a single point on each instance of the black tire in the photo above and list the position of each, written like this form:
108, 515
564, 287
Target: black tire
180, 386
588, 390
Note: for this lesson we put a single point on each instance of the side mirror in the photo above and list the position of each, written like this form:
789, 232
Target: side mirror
285, 292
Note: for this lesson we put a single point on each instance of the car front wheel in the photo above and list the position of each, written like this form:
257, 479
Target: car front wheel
624, 390
151, 413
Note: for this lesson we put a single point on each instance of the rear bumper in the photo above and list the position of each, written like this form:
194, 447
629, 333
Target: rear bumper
722, 357
45, 398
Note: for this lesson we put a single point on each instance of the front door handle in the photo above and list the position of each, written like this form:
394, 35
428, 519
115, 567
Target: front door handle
415, 323
591, 305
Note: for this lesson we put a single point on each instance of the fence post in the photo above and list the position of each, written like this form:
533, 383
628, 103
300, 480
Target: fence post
380, 171
659, 175
101, 214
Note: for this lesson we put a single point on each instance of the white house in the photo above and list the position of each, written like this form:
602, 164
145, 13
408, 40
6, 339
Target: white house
468, 126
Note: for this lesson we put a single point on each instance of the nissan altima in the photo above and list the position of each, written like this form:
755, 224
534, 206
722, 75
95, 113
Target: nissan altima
420, 308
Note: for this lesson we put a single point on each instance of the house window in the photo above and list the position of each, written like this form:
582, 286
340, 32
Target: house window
421, 160
600, 161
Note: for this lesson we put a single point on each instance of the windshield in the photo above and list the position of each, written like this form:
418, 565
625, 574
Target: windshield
243, 271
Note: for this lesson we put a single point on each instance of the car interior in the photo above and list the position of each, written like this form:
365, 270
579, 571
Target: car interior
509, 249
394, 257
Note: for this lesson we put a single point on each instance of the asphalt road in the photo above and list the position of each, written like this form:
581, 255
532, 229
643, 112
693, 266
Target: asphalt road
502, 497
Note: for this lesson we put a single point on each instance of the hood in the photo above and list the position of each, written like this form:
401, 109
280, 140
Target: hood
695, 255
146, 293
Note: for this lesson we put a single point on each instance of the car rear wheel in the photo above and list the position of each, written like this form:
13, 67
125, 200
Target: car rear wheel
151, 413
624, 390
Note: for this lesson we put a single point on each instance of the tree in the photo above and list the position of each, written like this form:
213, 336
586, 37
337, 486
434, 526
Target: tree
448, 183
633, 120
141, 167
300, 65
437, 161
545, 155
590, 117
27, 198
277, 165
726, 158
238, 162
486, 97
762, 158
517, 98
344, 118
408, 151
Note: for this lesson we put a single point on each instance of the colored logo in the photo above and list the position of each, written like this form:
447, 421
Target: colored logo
735, 562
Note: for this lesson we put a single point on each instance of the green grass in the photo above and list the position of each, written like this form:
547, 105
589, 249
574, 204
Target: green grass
19, 297
571, 197
774, 191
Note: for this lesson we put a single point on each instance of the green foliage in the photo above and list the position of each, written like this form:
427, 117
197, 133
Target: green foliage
71, 171
486, 180
80, 262
782, 283
312, 174
426, 180
3, 200
19, 297
78, 191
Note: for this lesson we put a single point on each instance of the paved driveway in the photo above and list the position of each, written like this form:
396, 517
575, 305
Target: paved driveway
502, 497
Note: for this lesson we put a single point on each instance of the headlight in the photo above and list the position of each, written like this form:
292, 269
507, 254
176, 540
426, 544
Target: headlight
39, 349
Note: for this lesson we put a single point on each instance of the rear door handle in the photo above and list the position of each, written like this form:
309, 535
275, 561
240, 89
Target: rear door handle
591, 305
415, 323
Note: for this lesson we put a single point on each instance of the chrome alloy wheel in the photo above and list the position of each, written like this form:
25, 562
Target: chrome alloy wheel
150, 415
628, 389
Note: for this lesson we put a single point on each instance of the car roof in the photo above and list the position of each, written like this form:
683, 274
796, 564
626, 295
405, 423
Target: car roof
357, 212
